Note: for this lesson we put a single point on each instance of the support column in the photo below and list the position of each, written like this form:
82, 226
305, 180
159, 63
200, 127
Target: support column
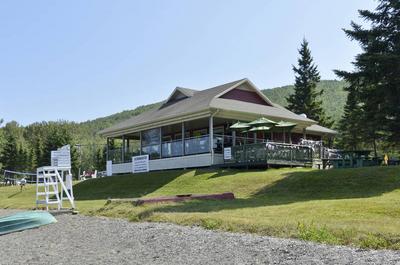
304, 134
140, 139
233, 138
183, 138
284, 136
211, 138
290, 137
107, 148
160, 142
123, 149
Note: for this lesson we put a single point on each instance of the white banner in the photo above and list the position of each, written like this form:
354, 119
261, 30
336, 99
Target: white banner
140, 164
227, 153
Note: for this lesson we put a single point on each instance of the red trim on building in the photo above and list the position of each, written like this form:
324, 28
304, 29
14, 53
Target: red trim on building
246, 96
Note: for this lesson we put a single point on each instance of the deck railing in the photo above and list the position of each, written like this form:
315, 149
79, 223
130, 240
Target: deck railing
245, 150
192, 146
271, 153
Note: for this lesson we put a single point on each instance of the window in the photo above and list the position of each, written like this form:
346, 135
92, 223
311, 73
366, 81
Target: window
178, 136
151, 143
198, 133
151, 137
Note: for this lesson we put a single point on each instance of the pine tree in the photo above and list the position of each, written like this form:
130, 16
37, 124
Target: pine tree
377, 72
10, 152
349, 125
306, 98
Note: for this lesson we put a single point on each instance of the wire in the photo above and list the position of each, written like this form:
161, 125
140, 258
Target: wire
20, 173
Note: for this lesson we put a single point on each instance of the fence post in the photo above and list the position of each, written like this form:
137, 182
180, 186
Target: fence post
291, 156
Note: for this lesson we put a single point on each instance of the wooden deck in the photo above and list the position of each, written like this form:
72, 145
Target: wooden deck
271, 154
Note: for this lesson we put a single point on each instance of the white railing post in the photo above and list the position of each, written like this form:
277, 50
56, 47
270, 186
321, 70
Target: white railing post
183, 138
211, 138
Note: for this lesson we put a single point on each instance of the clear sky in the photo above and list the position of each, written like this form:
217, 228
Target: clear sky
79, 60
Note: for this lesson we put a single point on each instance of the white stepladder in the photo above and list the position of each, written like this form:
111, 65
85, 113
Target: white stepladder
55, 181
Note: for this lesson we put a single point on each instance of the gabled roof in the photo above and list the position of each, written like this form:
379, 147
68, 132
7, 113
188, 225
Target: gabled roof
179, 93
187, 91
202, 101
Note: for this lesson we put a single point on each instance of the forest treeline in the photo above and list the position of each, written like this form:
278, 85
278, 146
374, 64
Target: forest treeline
24, 148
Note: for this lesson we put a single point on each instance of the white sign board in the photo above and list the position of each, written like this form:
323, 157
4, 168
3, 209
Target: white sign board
109, 168
140, 164
61, 157
227, 153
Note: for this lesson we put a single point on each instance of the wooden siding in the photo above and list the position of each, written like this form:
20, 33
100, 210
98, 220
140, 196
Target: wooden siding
246, 96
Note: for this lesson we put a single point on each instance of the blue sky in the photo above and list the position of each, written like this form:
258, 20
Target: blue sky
79, 60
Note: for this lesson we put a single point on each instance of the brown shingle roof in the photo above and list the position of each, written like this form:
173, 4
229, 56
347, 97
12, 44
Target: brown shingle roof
203, 100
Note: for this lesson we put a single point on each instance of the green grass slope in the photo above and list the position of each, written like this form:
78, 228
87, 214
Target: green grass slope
342, 206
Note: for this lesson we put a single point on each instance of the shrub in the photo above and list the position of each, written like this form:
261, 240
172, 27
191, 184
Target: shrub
318, 234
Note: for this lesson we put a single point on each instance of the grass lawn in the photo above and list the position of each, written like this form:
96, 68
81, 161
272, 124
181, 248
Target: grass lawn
342, 206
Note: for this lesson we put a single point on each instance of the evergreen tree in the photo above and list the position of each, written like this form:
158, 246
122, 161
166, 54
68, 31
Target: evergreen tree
1, 143
350, 124
377, 73
10, 152
306, 99
100, 162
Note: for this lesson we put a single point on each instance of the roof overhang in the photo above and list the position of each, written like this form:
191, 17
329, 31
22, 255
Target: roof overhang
156, 123
249, 116
320, 130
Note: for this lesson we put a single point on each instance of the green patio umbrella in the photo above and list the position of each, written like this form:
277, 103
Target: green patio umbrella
262, 121
285, 125
240, 126
259, 129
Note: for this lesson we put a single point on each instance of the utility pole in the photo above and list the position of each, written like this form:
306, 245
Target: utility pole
80, 158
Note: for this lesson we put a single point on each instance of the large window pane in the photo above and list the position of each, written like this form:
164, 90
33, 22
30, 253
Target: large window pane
152, 150
151, 143
197, 145
151, 137
171, 149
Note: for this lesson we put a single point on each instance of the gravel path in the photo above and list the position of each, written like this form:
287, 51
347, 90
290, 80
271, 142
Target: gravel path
79, 239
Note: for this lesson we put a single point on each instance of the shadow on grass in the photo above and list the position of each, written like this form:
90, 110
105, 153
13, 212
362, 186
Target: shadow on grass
136, 185
216, 173
301, 187
126, 186
15, 194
